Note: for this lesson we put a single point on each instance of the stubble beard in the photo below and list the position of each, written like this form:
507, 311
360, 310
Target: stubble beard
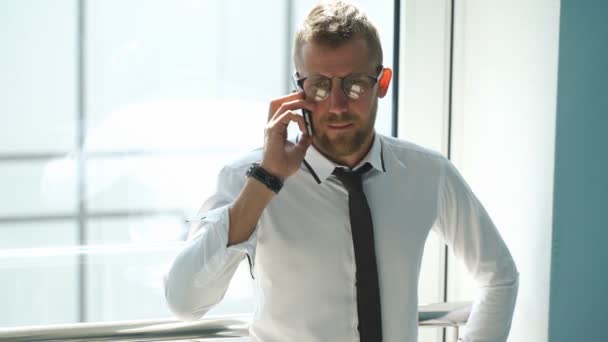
346, 144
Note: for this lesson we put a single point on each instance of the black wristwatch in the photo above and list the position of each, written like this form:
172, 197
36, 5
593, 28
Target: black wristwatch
271, 181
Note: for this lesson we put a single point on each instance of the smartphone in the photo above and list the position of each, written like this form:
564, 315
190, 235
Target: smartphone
305, 112
308, 120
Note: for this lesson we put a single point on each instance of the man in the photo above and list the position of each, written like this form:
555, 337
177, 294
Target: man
335, 223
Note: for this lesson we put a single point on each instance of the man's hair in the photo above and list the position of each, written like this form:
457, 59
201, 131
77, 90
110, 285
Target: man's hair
333, 23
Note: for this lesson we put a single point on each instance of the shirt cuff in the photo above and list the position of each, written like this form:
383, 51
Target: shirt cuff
214, 226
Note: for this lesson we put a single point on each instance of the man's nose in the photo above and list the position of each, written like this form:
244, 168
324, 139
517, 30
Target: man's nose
337, 98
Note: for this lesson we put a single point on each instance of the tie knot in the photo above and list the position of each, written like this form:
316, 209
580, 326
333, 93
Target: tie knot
351, 179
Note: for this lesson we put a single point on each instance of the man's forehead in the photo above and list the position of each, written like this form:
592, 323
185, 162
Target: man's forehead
339, 60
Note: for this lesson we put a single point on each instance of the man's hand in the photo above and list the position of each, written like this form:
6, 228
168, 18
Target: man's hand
282, 158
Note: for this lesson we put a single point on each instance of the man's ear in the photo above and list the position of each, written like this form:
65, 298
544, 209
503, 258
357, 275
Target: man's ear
384, 82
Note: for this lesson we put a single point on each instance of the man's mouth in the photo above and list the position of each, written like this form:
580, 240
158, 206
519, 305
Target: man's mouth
340, 126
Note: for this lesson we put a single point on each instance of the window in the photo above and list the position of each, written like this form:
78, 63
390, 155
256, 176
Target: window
116, 118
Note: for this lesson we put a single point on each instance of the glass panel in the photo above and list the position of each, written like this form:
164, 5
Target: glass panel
425, 76
38, 82
38, 286
43, 234
125, 277
140, 231
37, 188
125, 268
424, 81
430, 283
182, 74
179, 182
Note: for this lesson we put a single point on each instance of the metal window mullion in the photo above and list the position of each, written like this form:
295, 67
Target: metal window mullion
396, 46
449, 143
80, 157
110, 214
289, 32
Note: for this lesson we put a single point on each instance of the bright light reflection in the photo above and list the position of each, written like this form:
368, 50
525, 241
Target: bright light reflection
90, 250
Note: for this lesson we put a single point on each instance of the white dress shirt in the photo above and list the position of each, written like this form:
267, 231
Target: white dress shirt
301, 252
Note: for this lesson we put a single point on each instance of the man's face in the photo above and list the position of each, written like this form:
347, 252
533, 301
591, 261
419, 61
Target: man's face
342, 126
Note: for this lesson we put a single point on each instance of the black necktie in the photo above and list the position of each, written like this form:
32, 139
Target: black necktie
368, 291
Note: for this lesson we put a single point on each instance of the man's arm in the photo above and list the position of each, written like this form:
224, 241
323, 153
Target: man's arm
201, 273
246, 210
469, 231
281, 158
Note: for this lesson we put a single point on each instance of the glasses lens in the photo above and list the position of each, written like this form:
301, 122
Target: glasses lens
355, 86
317, 88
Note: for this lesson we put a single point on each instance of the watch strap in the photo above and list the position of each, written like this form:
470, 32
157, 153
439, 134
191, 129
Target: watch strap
271, 181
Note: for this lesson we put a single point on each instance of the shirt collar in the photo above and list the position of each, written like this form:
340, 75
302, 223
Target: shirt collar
321, 168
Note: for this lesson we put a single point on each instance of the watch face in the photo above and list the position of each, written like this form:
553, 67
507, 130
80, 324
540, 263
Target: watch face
252, 168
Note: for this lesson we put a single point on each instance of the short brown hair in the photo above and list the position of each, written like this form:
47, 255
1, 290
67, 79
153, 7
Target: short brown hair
334, 23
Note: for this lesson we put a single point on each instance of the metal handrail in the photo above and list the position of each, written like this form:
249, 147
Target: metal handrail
434, 315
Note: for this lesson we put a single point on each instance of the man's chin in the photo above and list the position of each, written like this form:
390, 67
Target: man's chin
338, 147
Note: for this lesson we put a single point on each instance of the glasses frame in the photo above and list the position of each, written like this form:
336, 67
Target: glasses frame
299, 82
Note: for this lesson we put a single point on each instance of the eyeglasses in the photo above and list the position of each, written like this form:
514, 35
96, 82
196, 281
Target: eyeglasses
318, 87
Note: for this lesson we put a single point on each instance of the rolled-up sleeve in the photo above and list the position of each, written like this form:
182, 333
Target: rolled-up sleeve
201, 272
468, 230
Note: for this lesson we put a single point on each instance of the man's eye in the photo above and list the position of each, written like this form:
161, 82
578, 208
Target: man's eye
362, 81
320, 94
355, 91
322, 84
356, 82
355, 87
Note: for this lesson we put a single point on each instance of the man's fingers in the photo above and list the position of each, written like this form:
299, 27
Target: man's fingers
296, 104
285, 118
303, 144
276, 103
301, 123
290, 102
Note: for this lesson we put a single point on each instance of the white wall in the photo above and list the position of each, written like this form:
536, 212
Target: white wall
503, 126
424, 73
